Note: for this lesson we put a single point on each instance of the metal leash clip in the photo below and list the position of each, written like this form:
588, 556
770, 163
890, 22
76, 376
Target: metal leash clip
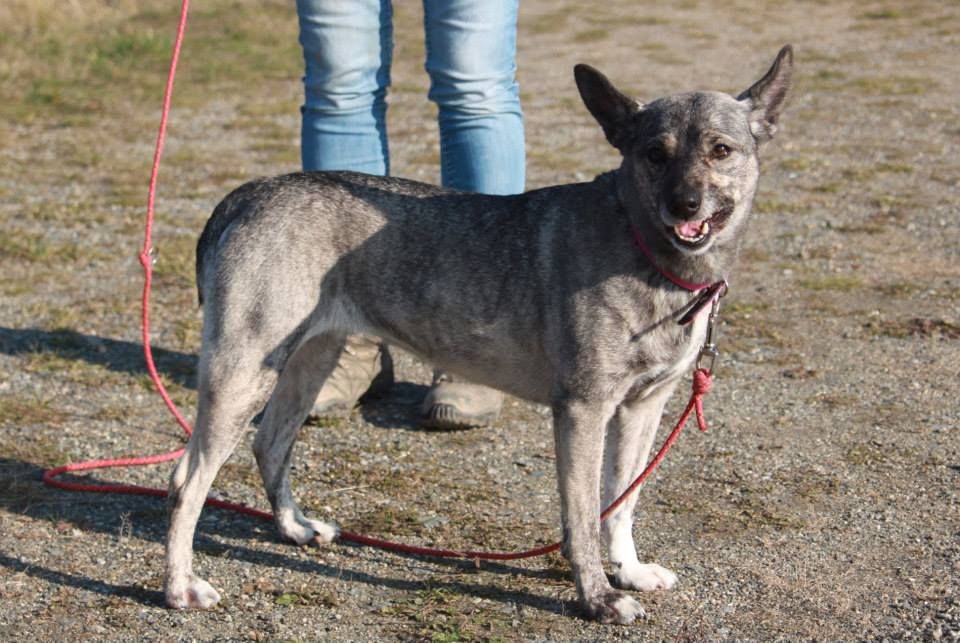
709, 351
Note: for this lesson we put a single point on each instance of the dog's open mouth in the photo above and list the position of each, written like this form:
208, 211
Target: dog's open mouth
696, 233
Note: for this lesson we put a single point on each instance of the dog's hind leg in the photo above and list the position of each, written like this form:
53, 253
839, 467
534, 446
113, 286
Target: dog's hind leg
579, 444
630, 436
231, 392
296, 390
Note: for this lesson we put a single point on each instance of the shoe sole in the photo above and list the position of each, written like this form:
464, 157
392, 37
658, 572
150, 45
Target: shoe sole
446, 417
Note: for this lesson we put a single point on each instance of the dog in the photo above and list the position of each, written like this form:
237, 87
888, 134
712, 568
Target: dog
543, 295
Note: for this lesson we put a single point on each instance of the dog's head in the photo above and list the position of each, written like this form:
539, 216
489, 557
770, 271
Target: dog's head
690, 162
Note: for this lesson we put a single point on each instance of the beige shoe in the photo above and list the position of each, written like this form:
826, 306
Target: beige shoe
459, 405
365, 368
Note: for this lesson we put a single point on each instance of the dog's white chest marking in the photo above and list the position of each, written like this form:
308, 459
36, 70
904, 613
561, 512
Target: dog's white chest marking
691, 350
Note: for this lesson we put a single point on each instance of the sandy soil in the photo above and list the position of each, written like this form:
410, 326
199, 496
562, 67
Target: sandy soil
824, 503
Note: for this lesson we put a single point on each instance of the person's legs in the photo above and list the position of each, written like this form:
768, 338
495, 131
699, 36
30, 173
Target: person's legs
471, 51
347, 49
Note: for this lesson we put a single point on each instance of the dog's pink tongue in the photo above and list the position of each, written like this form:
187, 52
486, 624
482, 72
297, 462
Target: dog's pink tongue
690, 229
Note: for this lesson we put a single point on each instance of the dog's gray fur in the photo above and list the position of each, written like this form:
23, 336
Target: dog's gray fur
542, 295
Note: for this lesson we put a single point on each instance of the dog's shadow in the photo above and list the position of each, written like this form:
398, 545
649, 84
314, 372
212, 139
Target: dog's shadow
22, 492
394, 409
116, 355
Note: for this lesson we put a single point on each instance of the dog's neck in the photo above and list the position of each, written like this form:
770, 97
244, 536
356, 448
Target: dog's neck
707, 268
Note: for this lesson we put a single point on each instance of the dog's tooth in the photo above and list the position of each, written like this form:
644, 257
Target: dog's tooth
705, 230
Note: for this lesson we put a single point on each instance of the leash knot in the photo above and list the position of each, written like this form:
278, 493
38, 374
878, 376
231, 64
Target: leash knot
702, 382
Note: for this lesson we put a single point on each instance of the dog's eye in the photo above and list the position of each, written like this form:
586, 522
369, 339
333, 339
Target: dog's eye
656, 155
720, 152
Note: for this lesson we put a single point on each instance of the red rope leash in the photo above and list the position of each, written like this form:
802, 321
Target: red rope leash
146, 260
701, 385
146, 254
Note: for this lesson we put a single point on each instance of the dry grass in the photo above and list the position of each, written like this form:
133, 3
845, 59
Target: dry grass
70, 61
801, 458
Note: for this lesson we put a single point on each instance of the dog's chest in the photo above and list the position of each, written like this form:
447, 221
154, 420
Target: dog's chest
666, 354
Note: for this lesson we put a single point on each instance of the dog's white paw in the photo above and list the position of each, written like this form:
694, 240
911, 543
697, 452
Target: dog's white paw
191, 593
645, 578
324, 532
614, 607
303, 530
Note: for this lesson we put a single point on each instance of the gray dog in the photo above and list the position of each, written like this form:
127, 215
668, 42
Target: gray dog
566, 296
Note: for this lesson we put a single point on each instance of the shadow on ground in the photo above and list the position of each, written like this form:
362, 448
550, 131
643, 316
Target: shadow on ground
397, 409
22, 492
116, 355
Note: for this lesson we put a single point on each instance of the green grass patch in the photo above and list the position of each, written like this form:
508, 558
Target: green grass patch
445, 616
778, 206
556, 160
915, 327
824, 80
895, 168
37, 248
858, 174
175, 267
892, 85
68, 214
835, 283
882, 14
864, 173
64, 62
755, 255
800, 164
591, 35
68, 368
887, 201
57, 317
859, 228
555, 22
390, 520
831, 187
864, 455
27, 411
307, 598
898, 289
887, 85
619, 20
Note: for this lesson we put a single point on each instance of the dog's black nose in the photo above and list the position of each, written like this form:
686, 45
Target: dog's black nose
685, 203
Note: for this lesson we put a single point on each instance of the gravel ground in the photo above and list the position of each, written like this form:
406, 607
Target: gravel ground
823, 503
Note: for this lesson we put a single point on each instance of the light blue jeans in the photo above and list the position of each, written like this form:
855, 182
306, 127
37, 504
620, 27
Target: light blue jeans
471, 51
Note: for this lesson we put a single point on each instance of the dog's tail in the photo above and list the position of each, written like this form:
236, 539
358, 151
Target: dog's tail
226, 212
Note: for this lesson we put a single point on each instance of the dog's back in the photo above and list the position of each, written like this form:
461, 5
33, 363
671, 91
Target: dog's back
411, 261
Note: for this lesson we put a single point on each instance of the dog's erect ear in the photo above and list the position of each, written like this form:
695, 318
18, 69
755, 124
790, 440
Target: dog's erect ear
767, 94
611, 108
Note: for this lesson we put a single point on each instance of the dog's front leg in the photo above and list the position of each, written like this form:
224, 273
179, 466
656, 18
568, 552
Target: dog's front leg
629, 438
578, 432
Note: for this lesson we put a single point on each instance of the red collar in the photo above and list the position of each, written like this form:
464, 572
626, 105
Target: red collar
707, 291
677, 281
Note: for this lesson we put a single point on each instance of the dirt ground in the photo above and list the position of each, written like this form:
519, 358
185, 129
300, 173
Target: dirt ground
823, 504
